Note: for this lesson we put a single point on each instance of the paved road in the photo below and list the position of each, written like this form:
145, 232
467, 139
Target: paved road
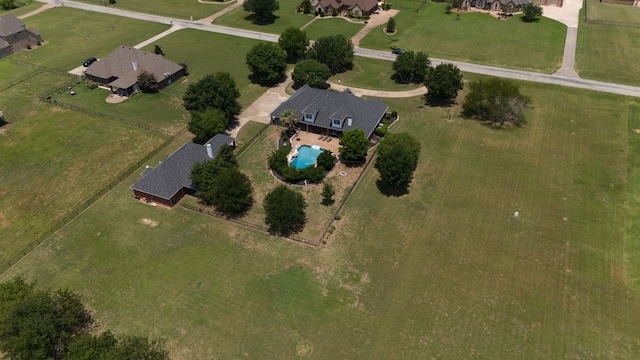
374, 54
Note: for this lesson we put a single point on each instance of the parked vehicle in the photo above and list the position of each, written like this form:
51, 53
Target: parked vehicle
397, 51
89, 61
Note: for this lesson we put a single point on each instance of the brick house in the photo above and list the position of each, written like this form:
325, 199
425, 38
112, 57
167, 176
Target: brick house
357, 7
119, 71
14, 35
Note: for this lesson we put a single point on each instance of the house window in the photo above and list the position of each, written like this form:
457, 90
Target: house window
336, 123
309, 117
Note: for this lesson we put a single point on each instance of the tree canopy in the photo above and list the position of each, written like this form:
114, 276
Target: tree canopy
411, 67
354, 145
294, 42
397, 158
335, 51
147, 82
231, 192
205, 124
267, 62
217, 91
262, 10
444, 82
531, 12
497, 101
285, 211
44, 325
312, 73
289, 119
391, 25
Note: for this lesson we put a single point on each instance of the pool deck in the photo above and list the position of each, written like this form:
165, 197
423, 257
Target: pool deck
309, 138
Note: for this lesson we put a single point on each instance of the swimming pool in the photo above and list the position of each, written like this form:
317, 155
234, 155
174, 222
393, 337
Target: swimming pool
306, 157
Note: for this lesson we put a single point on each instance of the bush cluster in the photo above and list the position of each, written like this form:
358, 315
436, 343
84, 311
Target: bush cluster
278, 163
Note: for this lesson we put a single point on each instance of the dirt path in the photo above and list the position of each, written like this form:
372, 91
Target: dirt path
38, 10
375, 20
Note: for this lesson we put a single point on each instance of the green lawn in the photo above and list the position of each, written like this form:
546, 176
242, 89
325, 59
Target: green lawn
171, 8
330, 26
601, 12
29, 5
371, 74
476, 38
286, 18
54, 160
444, 271
608, 53
10, 72
73, 35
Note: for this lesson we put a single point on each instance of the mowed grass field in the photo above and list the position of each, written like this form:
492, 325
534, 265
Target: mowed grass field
286, 18
598, 11
72, 35
29, 5
476, 38
325, 26
171, 8
371, 74
607, 52
54, 160
445, 271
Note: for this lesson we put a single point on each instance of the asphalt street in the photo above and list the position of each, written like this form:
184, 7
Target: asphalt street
374, 54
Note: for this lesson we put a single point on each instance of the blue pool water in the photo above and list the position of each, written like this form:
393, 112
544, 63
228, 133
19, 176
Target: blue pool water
307, 156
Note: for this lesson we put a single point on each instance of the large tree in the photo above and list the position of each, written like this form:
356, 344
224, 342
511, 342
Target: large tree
335, 51
37, 324
217, 91
203, 174
109, 347
497, 101
444, 82
205, 124
267, 62
231, 192
531, 12
397, 158
289, 119
312, 73
147, 82
262, 10
411, 67
354, 145
285, 211
294, 42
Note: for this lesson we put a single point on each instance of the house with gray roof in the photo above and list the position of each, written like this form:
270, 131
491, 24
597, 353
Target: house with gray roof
14, 35
121, 68
168, 182
356, 7
331, 112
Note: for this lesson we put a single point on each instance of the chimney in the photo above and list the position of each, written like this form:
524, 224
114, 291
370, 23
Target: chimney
209, 151
349, 121
135, 65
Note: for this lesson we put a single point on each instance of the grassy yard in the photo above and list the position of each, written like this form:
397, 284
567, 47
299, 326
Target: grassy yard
286, 18
444, 271
73, 35
54, 160
331, 26
165, 110
29, 5
601, 12
10, 72
371, 74
608, 53
170, 8
476, 38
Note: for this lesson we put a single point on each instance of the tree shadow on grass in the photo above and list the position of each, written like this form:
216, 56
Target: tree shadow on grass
258, 81
327, 202
444, 103
389, 190
268, 21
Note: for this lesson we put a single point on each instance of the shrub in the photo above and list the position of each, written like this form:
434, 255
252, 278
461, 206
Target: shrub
326, 160
334, 12
91, 85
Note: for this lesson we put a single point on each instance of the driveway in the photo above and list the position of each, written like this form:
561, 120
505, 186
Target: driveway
375, 20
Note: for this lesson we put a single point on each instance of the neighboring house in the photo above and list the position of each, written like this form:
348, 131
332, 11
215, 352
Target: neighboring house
168, 182
357, 7
331, 112
121, 68
495, 5
14, 35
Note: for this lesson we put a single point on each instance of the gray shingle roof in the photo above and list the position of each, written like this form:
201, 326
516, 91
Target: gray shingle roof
9, 24
170, 176
4, 44
126, 63
365, 114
